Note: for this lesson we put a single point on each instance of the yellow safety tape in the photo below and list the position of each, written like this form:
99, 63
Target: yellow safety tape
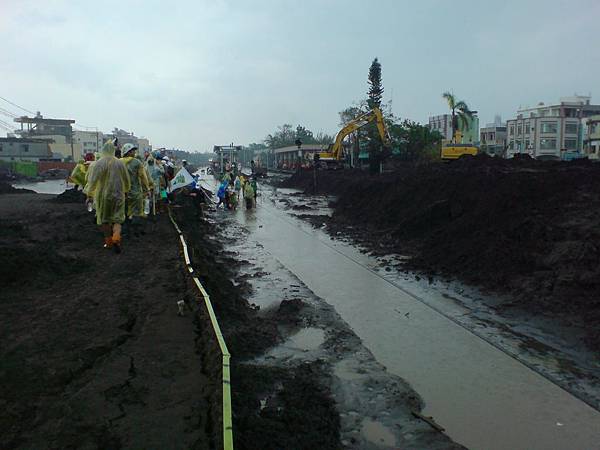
226, 381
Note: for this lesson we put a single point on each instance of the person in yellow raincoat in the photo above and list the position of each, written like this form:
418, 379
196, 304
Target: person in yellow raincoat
139, 182
79, 174
107, 183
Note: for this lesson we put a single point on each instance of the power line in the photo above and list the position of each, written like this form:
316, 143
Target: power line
8, 113
6, 125
14, 104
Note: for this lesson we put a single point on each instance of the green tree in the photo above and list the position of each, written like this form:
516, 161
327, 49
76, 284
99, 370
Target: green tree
461, 114
323, 138
305, 135
415, 142
375, 93
374, 96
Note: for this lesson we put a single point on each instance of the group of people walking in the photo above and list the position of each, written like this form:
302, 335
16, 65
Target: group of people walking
233, 187
123, 186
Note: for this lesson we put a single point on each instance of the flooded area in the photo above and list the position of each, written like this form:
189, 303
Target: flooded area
45, 187
482, 396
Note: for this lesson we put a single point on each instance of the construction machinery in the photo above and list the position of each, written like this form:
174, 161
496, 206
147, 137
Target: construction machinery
454, 149
332, 158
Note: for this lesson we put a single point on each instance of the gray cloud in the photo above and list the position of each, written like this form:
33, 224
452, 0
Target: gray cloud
192, 74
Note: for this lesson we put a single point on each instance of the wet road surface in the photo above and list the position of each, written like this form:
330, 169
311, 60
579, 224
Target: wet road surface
484, 398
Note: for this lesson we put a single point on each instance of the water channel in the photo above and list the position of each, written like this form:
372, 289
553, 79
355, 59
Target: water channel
484, 398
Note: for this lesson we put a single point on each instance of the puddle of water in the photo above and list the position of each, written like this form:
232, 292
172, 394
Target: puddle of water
378, 433
45, 187
306, 339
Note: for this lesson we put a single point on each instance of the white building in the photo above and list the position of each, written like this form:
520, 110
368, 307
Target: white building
442, 124
90, 141
549, 130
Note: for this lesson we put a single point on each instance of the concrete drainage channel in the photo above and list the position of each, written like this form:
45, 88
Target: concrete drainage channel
225, 356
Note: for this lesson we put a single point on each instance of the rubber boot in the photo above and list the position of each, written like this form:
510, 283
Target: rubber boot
116, 238
108, 242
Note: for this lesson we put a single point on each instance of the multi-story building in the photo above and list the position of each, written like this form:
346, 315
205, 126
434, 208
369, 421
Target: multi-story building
24, 149
443, 125
144, 146
57, 132
550, 130
125, 137
492, 138
89, 141
591, 137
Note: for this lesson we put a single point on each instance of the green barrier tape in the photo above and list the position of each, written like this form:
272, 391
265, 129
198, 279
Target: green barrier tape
226, 381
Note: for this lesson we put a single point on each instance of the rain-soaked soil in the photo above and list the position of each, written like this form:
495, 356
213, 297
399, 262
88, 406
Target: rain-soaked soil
301, 378
93, 353
523, 228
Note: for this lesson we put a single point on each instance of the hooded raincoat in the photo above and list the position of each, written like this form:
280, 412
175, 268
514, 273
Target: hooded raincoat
78, 175
107, 183
139, 186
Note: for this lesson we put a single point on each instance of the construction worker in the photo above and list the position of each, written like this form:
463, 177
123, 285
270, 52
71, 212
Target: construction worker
140, 186
248, 195
107, 184
157, 176
254, 189
77, 177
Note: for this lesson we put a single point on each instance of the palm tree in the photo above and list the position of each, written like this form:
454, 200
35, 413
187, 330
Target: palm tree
461, 114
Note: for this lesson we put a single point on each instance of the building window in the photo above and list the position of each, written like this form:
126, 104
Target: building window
549, 127
511, 129
518, 145
24, 147
519, 130
526, 128
0, 147
548, 144
571, 144
511, 145
527, 144
571, 128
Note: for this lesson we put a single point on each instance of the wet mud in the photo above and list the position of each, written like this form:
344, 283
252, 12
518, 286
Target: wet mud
526, 229
301, 378
93, 352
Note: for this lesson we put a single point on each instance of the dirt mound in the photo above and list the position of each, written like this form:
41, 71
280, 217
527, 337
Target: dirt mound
70, 196
524, 227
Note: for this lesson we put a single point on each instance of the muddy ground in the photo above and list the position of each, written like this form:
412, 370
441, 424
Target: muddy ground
93, 353
327, 395
524, 228
301, 413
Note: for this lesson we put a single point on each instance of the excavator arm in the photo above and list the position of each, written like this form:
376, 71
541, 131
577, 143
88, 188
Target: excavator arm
375, 114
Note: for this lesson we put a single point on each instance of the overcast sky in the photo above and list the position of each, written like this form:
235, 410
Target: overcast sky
192, 74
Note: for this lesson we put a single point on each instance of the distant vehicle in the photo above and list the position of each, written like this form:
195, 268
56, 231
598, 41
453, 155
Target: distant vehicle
452, 150
332, 158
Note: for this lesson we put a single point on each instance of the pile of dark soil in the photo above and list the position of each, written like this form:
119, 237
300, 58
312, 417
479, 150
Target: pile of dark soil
522, 227
299, 412
6, 188
70, 196
93, 352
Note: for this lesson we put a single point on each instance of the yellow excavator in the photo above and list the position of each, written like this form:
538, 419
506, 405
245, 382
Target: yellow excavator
455, 150
332, 158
